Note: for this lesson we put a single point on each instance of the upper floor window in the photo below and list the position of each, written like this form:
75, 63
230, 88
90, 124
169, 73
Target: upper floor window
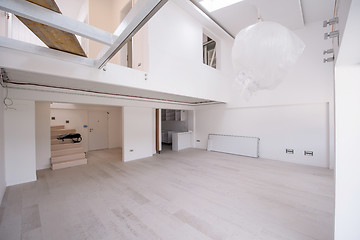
209, 51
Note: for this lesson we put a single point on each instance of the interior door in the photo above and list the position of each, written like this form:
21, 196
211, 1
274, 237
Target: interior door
98, 130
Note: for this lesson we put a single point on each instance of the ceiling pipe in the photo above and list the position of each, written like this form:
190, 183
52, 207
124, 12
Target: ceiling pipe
302, 12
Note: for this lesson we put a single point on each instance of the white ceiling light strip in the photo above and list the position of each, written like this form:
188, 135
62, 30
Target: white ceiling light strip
213, 5
206, 14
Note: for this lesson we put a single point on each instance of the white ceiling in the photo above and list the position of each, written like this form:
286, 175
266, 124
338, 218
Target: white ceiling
293, 14
290, 13
318, 10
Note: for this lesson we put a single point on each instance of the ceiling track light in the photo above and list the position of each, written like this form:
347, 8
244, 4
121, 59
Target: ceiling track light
331, 50
330, 59
331, 21
213, 5
332, 34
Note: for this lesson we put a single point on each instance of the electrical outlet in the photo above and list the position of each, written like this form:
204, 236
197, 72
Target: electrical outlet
131, 150
198, 140
308, 153
289, 151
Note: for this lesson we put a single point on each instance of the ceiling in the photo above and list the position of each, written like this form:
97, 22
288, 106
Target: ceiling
290, 13
293, 14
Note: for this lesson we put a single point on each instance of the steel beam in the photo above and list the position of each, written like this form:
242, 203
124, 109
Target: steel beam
138, 16
53, 19
44, 51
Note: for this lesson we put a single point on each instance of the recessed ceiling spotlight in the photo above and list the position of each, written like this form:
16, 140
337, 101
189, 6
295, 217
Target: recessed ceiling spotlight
213, 5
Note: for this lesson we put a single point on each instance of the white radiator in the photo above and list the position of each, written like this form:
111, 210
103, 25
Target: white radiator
239, 145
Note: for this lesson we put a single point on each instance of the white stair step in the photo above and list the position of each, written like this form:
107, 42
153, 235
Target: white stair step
67, 164
59, 131
69, 157
64, 145
55, 141
57, 127
66, 151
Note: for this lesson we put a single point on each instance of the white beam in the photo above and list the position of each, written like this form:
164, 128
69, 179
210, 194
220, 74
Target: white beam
53, 19
138, 16
198, 7
47, 52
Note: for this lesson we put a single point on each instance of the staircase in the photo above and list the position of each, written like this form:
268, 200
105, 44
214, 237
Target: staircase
65, 153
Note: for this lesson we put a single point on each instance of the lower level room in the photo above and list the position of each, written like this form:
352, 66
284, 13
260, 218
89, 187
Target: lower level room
134, 187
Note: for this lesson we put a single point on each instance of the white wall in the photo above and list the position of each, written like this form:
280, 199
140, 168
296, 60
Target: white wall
107, 15
347, 88
342, 14
298, 127
100, 16
308, 81
175, 56
115, 128
2, 147
294, 115
42, 134
349, 49
20, 149
140, 50
125, 8
347, 208
138, 133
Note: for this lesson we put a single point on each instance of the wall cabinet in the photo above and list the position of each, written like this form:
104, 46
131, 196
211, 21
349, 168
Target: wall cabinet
173, 115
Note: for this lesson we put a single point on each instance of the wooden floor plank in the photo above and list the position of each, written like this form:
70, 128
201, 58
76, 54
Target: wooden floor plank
192, 194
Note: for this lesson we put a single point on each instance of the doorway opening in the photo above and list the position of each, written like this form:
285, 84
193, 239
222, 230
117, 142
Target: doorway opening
100, 128
173, 124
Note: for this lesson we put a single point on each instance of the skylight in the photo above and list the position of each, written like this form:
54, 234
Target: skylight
213, 5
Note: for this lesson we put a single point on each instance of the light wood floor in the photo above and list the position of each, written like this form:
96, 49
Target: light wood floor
189, 195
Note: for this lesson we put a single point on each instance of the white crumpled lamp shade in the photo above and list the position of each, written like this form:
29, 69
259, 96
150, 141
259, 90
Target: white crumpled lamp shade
262, 53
